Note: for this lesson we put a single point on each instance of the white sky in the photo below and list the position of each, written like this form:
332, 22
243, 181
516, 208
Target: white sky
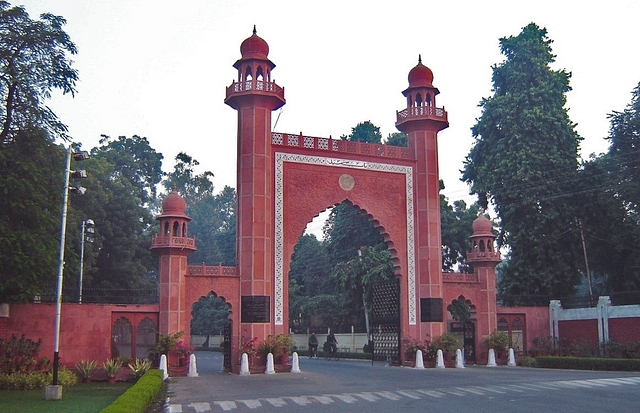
159, 69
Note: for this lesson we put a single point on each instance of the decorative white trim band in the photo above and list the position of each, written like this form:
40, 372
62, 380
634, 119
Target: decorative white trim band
281, 158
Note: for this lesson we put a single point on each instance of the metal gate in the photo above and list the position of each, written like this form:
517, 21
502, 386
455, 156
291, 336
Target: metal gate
385, 321
226, 363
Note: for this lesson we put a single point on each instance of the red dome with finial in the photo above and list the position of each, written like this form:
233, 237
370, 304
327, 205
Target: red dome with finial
420, 75
482, 226
254, 47
174, 205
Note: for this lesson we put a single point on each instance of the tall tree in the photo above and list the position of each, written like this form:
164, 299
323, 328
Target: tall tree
122, 175
213, 215
624, 149
33, 62
364, 132
29, 214
456, 221
524, 159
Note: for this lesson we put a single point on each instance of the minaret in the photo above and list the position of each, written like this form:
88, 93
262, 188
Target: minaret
484, 258
422, 121
254, 95
173, 245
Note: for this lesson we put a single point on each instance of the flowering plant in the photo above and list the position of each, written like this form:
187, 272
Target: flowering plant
411, 345
249, 346
183, 349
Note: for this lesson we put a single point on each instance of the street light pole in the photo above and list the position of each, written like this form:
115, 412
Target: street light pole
63, 227
87, 231
54, 392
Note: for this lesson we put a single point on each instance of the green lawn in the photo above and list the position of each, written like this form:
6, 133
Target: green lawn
81, 398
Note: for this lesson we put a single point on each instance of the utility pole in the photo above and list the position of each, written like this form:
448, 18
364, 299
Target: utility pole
586, 261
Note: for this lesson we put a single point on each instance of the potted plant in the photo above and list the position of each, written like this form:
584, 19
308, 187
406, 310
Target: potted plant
112, 367
85, 369
411, 347
499, 342
166, 343
139, 367
269, 345
184, 351
447, 342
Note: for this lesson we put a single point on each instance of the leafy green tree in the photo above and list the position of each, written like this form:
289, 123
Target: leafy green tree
456, 222
346, 230
364, 132
624, 138
134, 160
309, 289
397, 139
209, 316
30, 208
524, 160
33, 62
122, 175
213, 215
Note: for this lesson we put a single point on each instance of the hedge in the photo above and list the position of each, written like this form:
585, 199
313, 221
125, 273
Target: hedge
139, 396
588, 363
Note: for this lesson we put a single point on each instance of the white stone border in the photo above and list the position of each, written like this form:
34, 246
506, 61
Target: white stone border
281, 158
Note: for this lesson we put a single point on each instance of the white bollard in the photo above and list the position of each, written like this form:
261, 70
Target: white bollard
439, 360
295, 367
492, 358
244, 364
163, 367
193, 369
459, 361
512, 358
419, 361
270, 367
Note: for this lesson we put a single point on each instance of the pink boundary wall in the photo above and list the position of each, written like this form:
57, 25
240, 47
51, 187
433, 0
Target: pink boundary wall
85, 329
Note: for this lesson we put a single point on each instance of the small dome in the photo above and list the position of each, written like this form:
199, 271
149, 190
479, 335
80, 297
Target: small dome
174, 204
482, 226
254, 47
420, 75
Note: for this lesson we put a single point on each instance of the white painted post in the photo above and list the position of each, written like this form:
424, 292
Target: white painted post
295, 367
419, 361
459, 361
270, 367
193, 369
439, 360
163, 367
512, 358
244, 365
492, 358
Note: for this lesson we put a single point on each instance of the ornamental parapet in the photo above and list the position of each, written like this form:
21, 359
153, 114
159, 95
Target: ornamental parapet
421, 113
456, 277
483, 256
253, 86
164, 241
211, 271
340, 146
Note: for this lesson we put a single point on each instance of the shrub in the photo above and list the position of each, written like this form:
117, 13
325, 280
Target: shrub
527, 361
112, 367
140, 367
138, 397
86, 368
499, 341
36, 380
588, 363
446, 342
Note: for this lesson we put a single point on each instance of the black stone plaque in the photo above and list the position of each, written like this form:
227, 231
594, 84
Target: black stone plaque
255, 309
431, 309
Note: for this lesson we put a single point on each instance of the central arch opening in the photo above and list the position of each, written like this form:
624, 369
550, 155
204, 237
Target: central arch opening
331, 274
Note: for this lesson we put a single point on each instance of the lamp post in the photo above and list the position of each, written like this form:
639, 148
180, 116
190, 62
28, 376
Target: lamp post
55, 391
86, 236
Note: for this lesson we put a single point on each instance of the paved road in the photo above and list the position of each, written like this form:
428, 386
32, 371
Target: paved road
350, 386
